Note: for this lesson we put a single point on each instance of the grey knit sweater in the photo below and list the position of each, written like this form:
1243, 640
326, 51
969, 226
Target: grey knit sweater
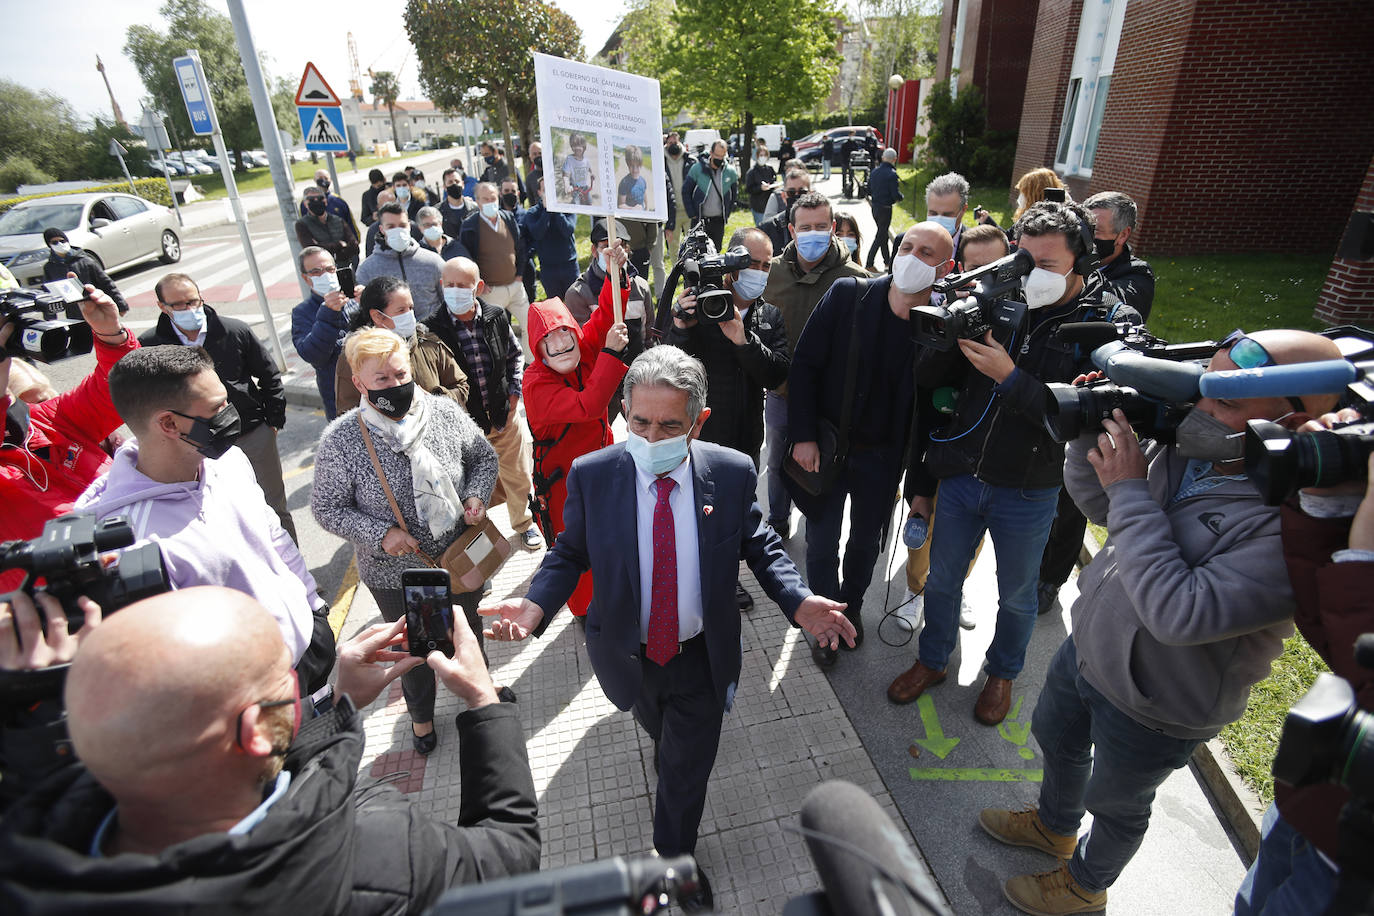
348, 500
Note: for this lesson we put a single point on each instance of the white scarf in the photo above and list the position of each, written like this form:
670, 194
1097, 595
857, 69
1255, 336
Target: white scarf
436, 501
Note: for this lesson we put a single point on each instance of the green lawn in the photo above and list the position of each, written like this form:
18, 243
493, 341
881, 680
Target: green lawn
212, 186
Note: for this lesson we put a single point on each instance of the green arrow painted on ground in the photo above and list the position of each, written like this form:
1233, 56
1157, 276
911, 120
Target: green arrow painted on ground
935, 740
1013, 731
974, 774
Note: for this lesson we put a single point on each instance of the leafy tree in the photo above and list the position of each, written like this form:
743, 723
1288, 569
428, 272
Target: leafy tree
36, 126
92, 159
386, 88
17, 169
765, 60
959, 138
904, 37
194, 24
644, 35
499, 76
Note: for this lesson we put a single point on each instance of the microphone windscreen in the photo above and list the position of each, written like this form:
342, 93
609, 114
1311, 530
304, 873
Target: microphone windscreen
845, 813
1324, 377
1091, 334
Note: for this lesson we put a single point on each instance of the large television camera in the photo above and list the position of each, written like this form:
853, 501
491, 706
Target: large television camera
988, 305
1153, 382
42, 333
703, 274
1281, 462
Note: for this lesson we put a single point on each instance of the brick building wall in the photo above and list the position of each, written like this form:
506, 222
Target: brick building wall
996, 53
1222, 113
1347, 297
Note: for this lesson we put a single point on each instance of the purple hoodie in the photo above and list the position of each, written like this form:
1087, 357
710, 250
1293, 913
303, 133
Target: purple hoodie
217, 530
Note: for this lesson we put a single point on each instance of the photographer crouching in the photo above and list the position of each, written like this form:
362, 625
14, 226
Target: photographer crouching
200, 787
998, 468
1178, 615
1328, 546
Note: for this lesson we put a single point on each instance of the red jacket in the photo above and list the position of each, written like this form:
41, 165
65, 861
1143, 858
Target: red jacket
52, 450
1335, 605
577, 401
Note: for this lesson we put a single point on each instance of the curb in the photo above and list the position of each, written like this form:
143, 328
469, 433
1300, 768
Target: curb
1236, 805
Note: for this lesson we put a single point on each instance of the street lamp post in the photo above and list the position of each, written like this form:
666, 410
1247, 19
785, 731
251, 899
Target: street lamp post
894, 83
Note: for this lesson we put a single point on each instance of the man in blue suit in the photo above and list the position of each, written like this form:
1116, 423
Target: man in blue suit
672, 520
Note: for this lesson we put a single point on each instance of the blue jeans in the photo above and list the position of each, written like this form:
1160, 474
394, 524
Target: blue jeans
869, 480
758, 216
775, 437
1098, 759
1019, 521
1288, 877
825, 167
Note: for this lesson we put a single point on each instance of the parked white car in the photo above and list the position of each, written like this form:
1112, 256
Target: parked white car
116, 229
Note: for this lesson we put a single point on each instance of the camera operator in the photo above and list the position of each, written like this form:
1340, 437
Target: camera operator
743, 356
52, 450
999, 470
184, 485
1178, 615
200, 788
1328, 545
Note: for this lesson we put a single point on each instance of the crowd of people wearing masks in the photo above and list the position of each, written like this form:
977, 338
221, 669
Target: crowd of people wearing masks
211, 757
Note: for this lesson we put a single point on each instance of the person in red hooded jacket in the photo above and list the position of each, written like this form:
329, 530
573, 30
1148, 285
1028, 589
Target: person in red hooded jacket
568, 387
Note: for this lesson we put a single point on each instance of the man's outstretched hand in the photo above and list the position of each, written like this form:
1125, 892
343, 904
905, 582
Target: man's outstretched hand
515, 619
825, 620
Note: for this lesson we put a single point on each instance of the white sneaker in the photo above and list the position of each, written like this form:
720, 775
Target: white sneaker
910, 612
966, 615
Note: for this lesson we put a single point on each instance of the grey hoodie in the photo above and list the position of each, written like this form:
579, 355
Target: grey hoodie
1185, 607
419, 267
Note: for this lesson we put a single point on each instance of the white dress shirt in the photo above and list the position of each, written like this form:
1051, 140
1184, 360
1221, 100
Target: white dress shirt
683, 503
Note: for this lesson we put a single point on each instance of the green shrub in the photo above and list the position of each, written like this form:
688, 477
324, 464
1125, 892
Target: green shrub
959, 139
153, 190
17, 170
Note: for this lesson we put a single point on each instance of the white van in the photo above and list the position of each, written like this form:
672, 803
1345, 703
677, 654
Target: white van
699, 139
772, 134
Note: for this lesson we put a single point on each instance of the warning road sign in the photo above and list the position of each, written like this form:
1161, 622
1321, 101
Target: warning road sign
313, 90
323, 128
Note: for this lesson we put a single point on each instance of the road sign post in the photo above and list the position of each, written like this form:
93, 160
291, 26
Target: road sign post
118, 152
195, 90
155, 133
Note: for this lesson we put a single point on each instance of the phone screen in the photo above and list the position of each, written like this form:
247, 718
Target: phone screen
67, 288
346, 281
429, 617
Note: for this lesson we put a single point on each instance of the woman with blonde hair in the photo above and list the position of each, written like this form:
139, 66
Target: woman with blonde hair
440, 469
1031, 187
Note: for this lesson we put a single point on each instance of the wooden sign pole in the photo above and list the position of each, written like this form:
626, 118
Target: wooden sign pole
613, 270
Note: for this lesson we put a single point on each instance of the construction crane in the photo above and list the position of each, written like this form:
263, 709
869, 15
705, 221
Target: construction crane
355, 77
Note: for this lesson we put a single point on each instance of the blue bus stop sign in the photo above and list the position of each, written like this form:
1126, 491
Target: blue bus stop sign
196, 93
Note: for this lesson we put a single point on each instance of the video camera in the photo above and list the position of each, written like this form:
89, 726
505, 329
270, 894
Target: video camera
1153, 382
987, 307
609, 887
703, 274
41, 332
1281, 462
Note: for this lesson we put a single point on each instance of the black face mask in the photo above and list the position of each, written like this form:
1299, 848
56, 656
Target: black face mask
508, 201
489, 160
393, 402
323, 183
792, 194
1105, 247
215, 436
717, 163
674, 149
455, 192
316, 205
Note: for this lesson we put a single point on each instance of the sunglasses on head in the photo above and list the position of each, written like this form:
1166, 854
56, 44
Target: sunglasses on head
1248, 353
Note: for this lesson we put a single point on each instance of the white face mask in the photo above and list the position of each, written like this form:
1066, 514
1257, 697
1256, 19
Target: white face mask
61, 249
459, 299
432, 234
489, 210
751, 283
324, 284
404, 324
1043, 287
402, 193
563, 354
910, 274
398, 238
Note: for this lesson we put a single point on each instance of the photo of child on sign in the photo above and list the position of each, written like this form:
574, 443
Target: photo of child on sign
634, 179
575, 158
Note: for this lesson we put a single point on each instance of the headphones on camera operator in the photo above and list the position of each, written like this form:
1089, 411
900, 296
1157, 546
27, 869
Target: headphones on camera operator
1086, 260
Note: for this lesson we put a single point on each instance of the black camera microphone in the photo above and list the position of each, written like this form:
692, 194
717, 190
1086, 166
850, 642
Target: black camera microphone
865, 864
1090, 334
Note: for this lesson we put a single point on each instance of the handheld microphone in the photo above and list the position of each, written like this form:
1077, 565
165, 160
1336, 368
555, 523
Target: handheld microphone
865, 864
1324, 377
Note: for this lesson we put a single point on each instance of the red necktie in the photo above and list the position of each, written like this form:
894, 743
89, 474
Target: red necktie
663, 644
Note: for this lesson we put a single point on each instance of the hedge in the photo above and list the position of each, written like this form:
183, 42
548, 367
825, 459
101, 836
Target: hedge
153, 190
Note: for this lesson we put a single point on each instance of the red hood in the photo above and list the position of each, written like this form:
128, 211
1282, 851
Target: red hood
547, 316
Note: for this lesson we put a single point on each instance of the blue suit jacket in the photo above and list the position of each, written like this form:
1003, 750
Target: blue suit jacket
600, 534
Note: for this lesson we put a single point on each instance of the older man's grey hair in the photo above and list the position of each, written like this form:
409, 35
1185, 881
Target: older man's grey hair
949, 183
666, 366
889, 155
425, 214
1119, 205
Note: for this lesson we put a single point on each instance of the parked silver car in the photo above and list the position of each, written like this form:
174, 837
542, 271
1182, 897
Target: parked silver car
115, 229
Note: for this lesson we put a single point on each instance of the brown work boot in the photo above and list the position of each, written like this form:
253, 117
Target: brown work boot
1024, 828
913, 682
994, 701
1053, 893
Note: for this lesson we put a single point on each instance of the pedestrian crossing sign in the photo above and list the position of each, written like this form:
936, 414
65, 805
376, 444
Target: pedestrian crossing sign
322, 128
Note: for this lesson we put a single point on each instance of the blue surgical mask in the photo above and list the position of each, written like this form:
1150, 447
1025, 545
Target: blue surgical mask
190, 319
948, 223
601, 262
459, 299
751, 282
489, 210
398, 238
324, 284
850, 242
432, 234
813, 245
402, 193
405, 324
657, 457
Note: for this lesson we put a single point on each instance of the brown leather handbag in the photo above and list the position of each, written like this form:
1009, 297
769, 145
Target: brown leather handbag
476, 555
